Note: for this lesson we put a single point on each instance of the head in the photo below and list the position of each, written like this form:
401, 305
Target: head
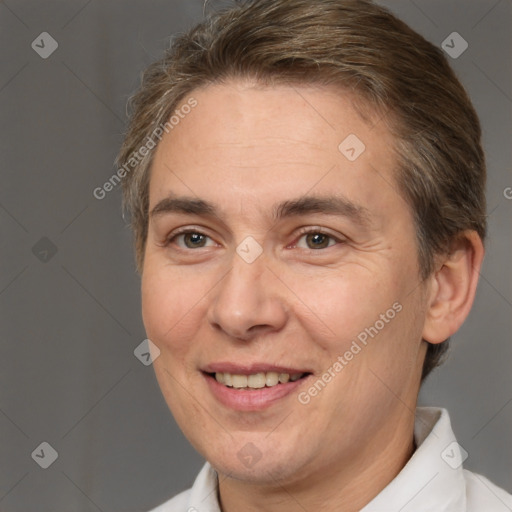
249, 113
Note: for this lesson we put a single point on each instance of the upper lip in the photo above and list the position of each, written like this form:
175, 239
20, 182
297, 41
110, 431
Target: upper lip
250, 369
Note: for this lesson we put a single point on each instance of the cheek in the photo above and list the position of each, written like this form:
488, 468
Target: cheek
170, 308
342, 303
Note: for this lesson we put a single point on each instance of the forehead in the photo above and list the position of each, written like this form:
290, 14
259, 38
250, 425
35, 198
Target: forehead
244, 140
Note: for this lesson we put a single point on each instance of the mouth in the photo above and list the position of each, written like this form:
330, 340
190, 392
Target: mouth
257, 380
254, 387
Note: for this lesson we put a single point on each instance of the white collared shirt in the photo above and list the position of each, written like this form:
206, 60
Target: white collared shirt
433, 480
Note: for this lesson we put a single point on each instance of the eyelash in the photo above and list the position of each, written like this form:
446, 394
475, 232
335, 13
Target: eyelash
302, 232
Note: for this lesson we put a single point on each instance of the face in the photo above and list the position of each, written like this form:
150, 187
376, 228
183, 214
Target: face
281, 283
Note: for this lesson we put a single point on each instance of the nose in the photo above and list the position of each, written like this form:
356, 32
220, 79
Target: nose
248, 301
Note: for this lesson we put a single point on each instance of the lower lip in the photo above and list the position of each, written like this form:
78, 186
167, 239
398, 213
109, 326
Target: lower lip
253, 399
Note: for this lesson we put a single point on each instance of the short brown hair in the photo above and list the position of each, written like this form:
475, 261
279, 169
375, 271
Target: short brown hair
357, 46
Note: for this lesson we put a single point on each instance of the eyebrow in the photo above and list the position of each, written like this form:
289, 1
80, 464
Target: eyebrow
328, 205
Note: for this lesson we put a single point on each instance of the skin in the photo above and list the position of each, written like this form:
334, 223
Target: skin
244, 148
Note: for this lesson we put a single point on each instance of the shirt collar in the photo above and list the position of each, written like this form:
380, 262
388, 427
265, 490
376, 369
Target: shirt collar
433, 478
203, 495
431, 481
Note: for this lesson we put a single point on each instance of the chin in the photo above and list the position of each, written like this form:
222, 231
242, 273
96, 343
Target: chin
256, 460
264, 472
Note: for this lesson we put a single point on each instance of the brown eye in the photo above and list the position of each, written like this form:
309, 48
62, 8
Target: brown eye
317, 240
190, 240
193, 240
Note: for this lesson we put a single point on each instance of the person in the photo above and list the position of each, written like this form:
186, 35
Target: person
305, 181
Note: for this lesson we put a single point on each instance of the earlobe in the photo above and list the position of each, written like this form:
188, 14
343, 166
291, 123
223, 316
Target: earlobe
453, 287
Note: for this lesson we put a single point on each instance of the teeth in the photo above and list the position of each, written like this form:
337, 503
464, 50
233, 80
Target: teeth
256, 380
271, 379
239, 381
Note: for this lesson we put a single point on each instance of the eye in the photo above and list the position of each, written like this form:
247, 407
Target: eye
315, 239
190, 239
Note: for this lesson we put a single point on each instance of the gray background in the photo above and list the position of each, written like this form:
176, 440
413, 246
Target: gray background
70, 324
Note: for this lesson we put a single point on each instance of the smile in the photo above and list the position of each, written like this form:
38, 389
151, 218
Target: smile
253, 387
256, 380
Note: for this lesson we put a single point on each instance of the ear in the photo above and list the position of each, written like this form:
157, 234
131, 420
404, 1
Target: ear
453, 287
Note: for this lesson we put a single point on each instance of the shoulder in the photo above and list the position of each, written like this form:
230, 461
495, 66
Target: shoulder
482, 494
177, 504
